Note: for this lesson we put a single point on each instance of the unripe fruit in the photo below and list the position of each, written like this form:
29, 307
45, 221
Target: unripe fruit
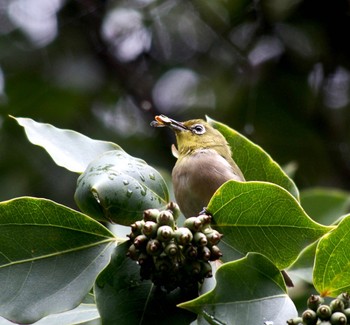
183, 236
191, 252
200, 239
206, 270
324, 312
213, 236
314, 302
193, 223
151, 215
154, 247
165, 233
171, 249
166, 218
338, 318
204, 253
215, 253
150, 229
295, 321
140, 241
309, 317
172, 206
336, 305
345, 298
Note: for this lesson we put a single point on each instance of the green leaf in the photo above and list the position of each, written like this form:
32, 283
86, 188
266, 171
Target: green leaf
68, 149
118, 187
303, 266
50, 258
248, 291
83, 314
325, 205
122, 298
254, 162
332, 272
264, 218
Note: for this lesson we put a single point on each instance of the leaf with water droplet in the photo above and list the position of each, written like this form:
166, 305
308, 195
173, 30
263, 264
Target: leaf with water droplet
114, 188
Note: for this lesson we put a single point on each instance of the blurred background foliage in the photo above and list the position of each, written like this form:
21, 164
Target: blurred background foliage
278, 71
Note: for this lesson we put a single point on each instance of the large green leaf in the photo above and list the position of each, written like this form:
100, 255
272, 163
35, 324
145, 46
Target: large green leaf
325, 205
248, 291
50, 258
118, 187
123, 299
84, 314
254, 162
265, 218
332, 272
68, 149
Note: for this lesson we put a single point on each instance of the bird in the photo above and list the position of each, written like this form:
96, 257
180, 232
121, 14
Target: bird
204, 163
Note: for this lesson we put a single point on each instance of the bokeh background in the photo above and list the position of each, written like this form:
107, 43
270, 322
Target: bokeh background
277, 71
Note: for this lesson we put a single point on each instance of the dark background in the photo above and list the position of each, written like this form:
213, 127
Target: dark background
275, 70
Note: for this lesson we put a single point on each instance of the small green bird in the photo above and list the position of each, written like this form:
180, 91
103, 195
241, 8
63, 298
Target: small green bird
204, 163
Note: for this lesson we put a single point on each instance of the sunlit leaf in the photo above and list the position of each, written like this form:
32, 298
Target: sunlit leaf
68, 149
248, 291
265, 218
50, 258
118, 187
123, 298
332, 272
254, 162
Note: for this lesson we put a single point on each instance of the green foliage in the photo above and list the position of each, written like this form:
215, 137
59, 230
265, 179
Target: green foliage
228, 302
117, 187
268, 215
52, 255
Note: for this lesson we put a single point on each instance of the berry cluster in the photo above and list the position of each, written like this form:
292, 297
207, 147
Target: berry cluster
173, 256
319, 313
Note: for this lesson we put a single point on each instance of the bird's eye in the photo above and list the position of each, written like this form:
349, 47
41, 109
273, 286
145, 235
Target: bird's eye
198, 129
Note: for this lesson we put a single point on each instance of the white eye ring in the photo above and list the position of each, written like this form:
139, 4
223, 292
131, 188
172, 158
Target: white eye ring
198, 129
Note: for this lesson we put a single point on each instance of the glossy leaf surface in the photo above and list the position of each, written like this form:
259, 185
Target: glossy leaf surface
50, 258
331, 272
118, 187
248, 291
68, 149
264, 218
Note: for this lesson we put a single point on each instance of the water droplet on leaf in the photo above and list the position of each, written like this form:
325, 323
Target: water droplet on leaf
129, 193
125, 182
152, 176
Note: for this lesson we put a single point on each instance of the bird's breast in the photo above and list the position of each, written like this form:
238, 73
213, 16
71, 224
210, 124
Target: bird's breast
197, 176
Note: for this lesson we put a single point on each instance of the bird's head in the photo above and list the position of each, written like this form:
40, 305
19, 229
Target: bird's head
193, 134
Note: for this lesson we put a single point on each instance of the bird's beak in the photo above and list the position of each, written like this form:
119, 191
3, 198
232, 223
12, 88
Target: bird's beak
162, 121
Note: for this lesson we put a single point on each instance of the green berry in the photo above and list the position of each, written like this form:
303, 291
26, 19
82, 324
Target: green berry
171, 249
140, 241
336, 305
172, 206
183, 236
150, 229
165, 233
151, 215
200, 239
338, 318
324, 312
204, 253
347, 313
191, 251
215, 253
213, 236
345, 298
206, 270
309, 317
314, 302
193, 223
154, 247
165, 218
133, 252
295, 321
